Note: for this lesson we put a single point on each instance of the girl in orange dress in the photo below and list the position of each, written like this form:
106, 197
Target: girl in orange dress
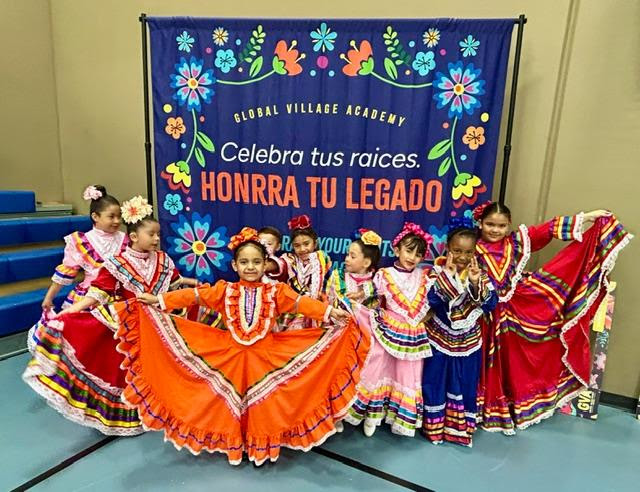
242, 388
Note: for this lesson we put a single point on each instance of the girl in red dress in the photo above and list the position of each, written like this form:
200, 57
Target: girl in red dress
536, 343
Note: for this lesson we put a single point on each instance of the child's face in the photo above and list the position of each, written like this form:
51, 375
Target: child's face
494, 227
270, 241
462, 248
355, 261
108, 220
146, 238
303, 246
408, 258
249, 264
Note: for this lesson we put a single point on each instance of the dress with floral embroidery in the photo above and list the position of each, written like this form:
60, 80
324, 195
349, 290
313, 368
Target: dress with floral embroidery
308, 278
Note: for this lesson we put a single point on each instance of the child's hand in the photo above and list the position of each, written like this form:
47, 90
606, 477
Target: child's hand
474, 271
47, 304
591, 217
147, 298
357, 296
449, 265
339, 315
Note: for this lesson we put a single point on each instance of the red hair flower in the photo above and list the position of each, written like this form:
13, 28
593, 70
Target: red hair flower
479, 210
246, 234
299, 222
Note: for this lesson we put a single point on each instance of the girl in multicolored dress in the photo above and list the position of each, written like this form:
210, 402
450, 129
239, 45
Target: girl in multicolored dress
76, 367
391, 385
354, 280
244, 389
536, 346
306, 269
461, 295
85, 251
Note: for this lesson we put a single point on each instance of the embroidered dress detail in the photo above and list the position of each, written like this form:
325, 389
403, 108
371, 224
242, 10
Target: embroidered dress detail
341, 283
250, 311
142, 272
405, 292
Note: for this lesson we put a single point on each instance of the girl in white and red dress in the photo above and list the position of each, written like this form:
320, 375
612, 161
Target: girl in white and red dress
85, 251
306, 269
391, 386
354, 280
76, 367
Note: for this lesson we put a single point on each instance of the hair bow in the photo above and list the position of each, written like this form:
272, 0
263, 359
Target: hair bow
411, 228
461, 223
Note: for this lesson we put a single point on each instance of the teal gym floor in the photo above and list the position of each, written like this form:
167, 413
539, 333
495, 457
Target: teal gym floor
41, 450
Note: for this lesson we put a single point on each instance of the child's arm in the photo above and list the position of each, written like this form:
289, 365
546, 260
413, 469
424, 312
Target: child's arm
481, 291
277, 268
212, 297
444, 289
187, 281
563, 227
289, 301
378, 288
64, 274
85, 303
51, 294
98, 293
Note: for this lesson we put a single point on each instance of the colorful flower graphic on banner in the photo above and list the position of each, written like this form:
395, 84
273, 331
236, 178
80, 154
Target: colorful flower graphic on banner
173, 203
323, 38
198, 250
469, 46
220, 36
185, 42
458, 91
430, 58
431, 37
285, 61
225, 60
194, 86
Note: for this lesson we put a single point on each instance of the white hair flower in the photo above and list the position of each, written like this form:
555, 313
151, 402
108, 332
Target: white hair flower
135, 210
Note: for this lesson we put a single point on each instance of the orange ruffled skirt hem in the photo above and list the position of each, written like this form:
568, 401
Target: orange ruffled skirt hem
207, 392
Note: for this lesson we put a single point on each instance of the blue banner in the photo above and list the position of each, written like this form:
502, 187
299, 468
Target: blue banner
357, 123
